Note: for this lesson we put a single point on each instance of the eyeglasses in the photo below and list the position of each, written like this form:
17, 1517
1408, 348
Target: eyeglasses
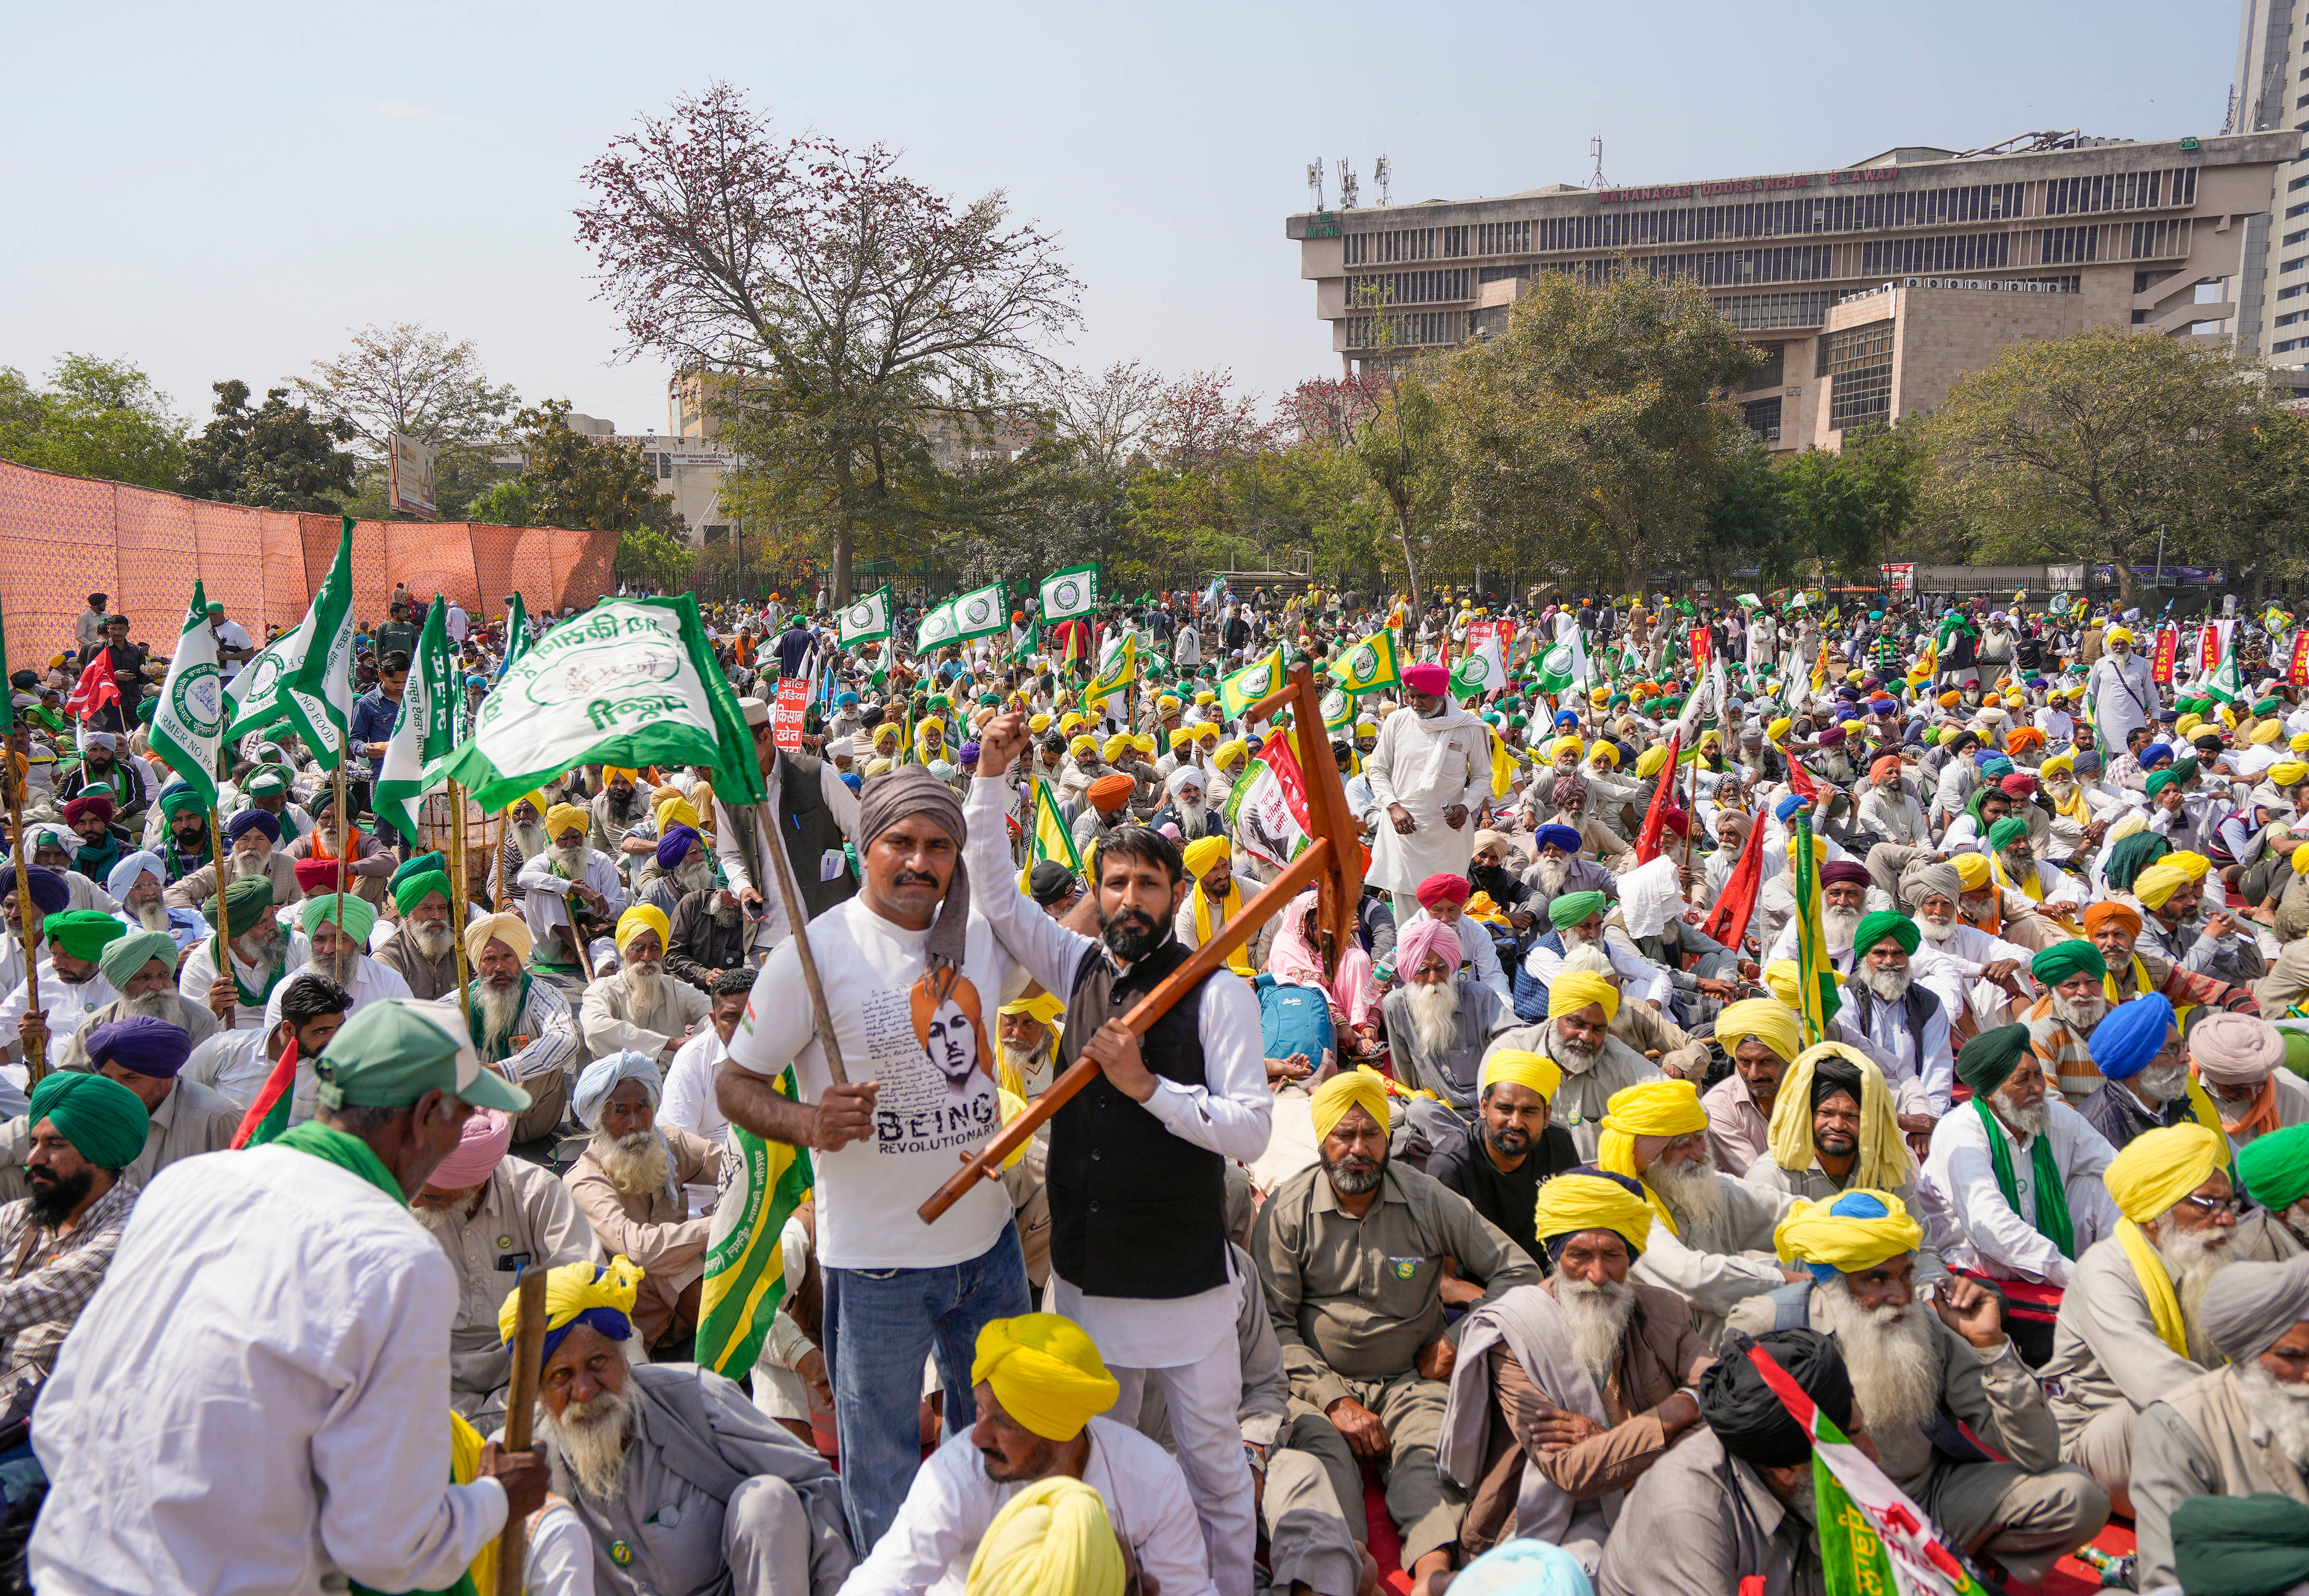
2232, 1206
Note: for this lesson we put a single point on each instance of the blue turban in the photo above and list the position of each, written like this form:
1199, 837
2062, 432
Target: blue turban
50, 895
846, 699
1995, 765
2129, 1035
1787, 806
1557, 836
675, 845
1567, 718
253, 820
2153, 752
141, 1043
853, 781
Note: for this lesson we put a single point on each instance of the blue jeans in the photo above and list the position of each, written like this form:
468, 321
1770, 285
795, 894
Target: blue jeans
880, 1323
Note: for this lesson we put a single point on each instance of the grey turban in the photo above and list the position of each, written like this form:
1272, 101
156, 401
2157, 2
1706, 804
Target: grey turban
902, 794
1925, 879
2249, 1305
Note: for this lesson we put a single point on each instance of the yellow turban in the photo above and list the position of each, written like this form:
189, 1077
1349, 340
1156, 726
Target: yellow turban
2057, 764
562, 816
1047, 1007
2119, 635
1516, 1067
1606, 754
1780, 978
641, 918
1228, 752
1566, 745
2188, 723
878, 767
1144, 742
2124, 825
673, 810
1654, 1108
1038, 724
1115, 747
2158, 1167
1070, 719
1349, 1088
535, 800
1166, 702
2156, 886
1206, 731
573, 1288
1082, 745
1779, 729
927, 724
1858, 1229
2191, 864
1569, 994
1971, 869
1205, 852
1045, 1373
2288, 772
508, 928
1769, 1021
1648, 762
2299, 742
611, 772
1571, 1203
1884, 1160
1053, 1539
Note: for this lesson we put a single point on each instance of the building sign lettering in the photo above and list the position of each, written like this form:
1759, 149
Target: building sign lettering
1685, 191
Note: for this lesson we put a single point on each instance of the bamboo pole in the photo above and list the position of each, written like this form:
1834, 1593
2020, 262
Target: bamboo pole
457, 898
224, 949
790, 895
521, 1412
36, 1058
346, 831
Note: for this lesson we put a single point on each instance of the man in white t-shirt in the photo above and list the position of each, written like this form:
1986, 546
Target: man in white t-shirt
907, 967
689, 1080
233, 646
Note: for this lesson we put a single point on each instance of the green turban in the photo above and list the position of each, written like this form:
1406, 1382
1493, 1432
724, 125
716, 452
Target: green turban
105, 1122
126, 955
356, 916
1988, 1060
2275, 1167
178, 799
417, 867
408, 893
2266, 706
1875, 927
2063, 959
2240, 1546
1572, 908
2159, 780
2183, 769
83, 932
2132, 855
2007, 832
246, 901
266, 781
147, 708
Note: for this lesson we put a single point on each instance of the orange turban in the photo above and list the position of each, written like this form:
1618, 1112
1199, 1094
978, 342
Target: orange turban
1110, 792
2108, 910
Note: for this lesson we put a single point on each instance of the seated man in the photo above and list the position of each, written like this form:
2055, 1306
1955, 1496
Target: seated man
1217, 899
1560, 868
630, 1183
2114, 929
2012, 861
1437, 1020
1577, 1038
259, 954
1373, 1359
2012, 1182
2144, 1075
1656, 1135
683, 1487
1922, 1367
2235, 1431
524, 1022
253, 837
1545, 1443
1844, 905
1761, 1036
2061, 1023
2172, 892
1043, 1392
681, 864
1731, 1502
494, 1217
1902, 1016
2239, 1059
343, 949
1500, 1167
570, 879
424, 951
2275, 1172
1969, 969
709, 937
307, 1009
142, 967
2129, 1329
71, 979
1444, 898
185, 1118
689, 1084
1577, 919
140, 882
635, 1008
1650, 1032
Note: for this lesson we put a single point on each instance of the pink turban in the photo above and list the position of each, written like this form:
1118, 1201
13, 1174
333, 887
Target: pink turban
1430, 681
2235, 1049
1429, 937
479, 1150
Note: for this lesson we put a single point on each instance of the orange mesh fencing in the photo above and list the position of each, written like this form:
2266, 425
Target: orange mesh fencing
63, 538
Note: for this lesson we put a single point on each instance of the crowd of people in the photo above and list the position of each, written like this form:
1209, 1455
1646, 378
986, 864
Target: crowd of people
1910, 992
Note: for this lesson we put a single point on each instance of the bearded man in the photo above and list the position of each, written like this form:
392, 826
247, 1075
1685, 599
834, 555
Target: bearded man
2275, 1169
2172, 891
53, 848
1515, 1150
253, 837
1106, 809
1902, 1021
2239, 1059
72, 983
336, 928
524, 1026
1577, 1037
617, 812
1844, 904
184, 1118
2012, 858
307, 1009
1216, 898
683, 1485
1576, 920
189, 843
690, 1080
1971, 971
2239, 1430
1761, 1036
140, 967
1431, 768
140, 883
1545, 1445
100, 844
638, 1008
1187, 810
1919, 1369
2131, 1328
570, 877
2114, 929
494, 1217
524, 839
1027, 1036
682, 866
1439, 1021
709, 937
424, 951
629, 1184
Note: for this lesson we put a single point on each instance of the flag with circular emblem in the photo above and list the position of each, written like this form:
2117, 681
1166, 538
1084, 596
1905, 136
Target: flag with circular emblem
867, 619
1369, 666
1253, 682
1070, 592
188, 723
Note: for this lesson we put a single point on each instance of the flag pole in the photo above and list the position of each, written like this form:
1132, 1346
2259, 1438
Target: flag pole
346, 831
777, 864
216, 847
36, 1057
457, 897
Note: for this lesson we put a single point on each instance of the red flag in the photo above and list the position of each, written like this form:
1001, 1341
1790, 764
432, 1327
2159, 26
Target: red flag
1728, 922
95, 689
272, 1102
1647, 840
1275, 754
1801, 783
2296, 669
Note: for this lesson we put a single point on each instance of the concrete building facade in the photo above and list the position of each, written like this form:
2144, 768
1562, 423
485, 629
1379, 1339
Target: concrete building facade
2271, 94
1958, 253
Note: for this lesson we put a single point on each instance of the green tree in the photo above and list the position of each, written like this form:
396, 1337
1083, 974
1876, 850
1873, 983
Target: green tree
1750, 521
2089, 446
569, 479
1851, 509
95, 418
410, 380
277, 456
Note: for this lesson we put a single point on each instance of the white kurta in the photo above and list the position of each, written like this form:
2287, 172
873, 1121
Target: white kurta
2123, 697
234, 1411
1426, 765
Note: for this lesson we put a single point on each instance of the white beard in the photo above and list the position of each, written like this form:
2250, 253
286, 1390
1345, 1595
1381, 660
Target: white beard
1596, 1317
499, 1006
159, 1003
1890, 984
2281, 1405
635, 1164
153, 914
433, 938
1935, 932
2165, 1082
644, 986
1434, 1015
1554, 870
260, 959
246, 863
588, 1443
2031, 1121
1841, 924
1028, 1064
1893, 1355
571, 860
2192, 1257
1693, 1194
531, 838
725, 914
693, 874
1194, 823
2079, 1014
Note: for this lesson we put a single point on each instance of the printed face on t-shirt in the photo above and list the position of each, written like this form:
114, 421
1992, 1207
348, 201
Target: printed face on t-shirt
953, 1045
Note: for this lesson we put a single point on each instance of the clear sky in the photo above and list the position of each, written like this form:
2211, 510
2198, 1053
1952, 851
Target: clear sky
223, 192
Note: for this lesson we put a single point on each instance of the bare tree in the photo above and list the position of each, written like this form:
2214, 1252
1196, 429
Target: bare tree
1104, 417
409, 379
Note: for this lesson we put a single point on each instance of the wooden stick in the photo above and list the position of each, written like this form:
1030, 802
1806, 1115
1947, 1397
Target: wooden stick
224, 953
790, 895
457, 898
28, 916
346, 831
520, 1411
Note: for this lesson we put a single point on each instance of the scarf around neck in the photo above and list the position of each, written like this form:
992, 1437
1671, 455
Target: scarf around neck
2052, 1196
344, 1150
1238, 960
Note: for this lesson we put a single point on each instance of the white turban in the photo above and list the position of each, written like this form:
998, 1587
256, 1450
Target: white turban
600, 1078
125, 873
1184, 777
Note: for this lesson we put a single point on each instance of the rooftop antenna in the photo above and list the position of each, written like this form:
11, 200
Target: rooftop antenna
1346, 184
1596, 150
1380, 177
1315, 182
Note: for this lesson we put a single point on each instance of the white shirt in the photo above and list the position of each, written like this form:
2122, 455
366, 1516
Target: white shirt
1975, 1227
545, 893
454, 623
1644, 978
65, 1004
231, 635
952, 1503
690, 1081
1927, 1060
198, 970
235, 1410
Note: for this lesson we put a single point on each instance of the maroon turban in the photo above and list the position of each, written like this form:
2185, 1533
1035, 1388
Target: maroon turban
1443, 889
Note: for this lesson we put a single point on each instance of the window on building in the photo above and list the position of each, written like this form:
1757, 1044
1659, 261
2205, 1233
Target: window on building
2293, 265
2296, 186
2207, 329
2070, 243
1956, 252
1455, 241
2300, 209
1763, 418
2279, 349
1772, 373
1859, 368
2291, 292
2289, 319
1757, 313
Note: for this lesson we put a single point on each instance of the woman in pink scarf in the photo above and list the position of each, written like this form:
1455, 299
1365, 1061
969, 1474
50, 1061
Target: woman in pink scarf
1354, 994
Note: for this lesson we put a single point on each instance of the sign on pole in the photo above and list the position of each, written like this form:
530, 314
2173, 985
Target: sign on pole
786, 714
410, 465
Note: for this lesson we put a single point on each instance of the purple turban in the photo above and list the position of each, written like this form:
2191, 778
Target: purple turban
141, 1043
50, 895
675, 845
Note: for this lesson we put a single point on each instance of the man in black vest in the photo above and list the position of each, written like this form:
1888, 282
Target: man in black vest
816, 813
1138, 1161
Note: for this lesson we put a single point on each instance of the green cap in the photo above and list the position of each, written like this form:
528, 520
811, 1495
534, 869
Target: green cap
397, 1050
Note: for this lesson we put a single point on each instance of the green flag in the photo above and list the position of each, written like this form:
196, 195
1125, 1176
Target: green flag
188, 723
745, 1262
1253, 682
1369, 666
2227, 682
1558, 666
867, 619
423, 734
981, 613
1338, 709
516, 632
319, 695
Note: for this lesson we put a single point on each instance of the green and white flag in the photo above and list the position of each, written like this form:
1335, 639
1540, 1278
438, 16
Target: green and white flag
1751, 601
320, 693
516, 633
255, 697
268, 688
424, 732
1563, 665
981, 613
937, 629
2227, 682
1480, 670
1118, 668
188, 725
1070, 592
867, 619
631, 682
